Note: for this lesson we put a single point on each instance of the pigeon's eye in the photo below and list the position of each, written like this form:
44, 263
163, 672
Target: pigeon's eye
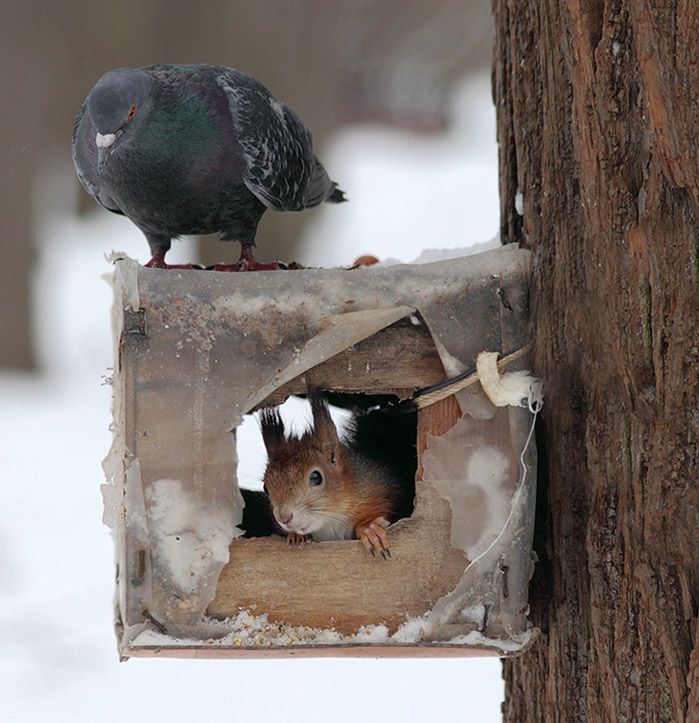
315, 478
132, 113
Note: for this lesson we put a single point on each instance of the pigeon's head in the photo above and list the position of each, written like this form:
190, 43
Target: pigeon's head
117, 101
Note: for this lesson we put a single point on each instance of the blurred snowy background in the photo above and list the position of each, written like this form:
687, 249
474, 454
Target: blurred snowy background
408, 192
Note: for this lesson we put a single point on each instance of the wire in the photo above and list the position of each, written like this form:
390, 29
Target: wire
430, 395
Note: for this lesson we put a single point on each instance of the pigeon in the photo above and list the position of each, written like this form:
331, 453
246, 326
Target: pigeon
195, 149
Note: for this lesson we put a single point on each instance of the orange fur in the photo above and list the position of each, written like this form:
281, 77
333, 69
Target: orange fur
355, 490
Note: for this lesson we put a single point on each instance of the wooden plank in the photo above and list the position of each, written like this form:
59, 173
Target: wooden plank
437, 419
400, 358
338, 584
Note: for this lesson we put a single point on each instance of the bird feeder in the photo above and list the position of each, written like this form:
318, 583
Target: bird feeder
197, 350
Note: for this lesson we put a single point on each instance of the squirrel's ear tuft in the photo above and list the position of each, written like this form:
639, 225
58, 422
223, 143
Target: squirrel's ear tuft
272, 427
324, 429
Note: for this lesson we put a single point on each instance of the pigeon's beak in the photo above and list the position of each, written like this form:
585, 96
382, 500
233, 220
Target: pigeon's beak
103, 143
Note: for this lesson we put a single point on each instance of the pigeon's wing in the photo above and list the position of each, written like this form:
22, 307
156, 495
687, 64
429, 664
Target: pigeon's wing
282, 170
84, 153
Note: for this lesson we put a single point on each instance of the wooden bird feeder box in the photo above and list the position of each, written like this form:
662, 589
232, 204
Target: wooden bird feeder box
196, 351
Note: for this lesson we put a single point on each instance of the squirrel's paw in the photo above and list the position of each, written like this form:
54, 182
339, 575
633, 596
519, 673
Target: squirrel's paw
374, 537
293, 539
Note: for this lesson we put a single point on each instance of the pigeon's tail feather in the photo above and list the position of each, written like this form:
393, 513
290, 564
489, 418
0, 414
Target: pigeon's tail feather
337, 196
321, 188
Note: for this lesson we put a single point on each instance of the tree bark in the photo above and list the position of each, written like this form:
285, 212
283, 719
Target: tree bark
598, 122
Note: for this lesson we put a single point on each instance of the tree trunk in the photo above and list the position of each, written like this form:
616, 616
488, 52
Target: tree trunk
598, 121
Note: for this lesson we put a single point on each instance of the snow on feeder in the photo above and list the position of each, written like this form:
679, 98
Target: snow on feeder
196, 351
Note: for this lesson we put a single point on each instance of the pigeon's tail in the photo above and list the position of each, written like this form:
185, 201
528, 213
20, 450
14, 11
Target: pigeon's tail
321, 188
337, 196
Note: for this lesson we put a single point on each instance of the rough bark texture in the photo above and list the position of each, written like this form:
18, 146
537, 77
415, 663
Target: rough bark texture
598, 115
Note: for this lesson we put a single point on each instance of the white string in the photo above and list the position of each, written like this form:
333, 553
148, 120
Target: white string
535, 400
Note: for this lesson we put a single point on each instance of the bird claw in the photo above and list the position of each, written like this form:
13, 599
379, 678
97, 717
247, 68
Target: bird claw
159, 264
294, 539
254, 265
223, 267
248, 262
374, 537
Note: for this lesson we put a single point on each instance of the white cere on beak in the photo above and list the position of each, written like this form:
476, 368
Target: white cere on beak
105, 141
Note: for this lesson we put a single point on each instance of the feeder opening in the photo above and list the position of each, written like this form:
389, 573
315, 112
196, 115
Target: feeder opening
376, 441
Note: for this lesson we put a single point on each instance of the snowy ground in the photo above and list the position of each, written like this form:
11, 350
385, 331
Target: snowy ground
57, 653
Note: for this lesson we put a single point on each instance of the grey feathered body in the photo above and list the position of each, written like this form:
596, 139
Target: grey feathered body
210, 151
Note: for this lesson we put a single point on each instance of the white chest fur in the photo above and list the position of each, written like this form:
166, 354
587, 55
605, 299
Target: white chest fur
333, 530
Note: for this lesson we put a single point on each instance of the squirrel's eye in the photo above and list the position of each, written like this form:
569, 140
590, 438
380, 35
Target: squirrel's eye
315, 478
132, 112
264, 489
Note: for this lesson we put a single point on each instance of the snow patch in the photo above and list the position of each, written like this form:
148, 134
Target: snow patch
475, 638
247, 630
411, 631
372, 634
187, 538
519, 202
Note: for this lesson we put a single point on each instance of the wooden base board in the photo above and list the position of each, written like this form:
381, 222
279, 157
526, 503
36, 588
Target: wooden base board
327, 651
338, 584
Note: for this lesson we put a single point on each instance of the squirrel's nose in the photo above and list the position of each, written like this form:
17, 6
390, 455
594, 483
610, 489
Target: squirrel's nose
285, 517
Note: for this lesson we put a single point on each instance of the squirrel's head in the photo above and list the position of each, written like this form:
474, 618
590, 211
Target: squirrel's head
305, 476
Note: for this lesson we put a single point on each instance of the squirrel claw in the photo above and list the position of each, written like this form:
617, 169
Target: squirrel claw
294, 539
374, 537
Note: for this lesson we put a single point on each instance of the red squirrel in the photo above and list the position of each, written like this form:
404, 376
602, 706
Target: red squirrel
321, 487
